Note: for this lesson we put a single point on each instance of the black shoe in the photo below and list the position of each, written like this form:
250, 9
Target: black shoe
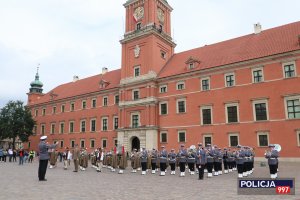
43, 180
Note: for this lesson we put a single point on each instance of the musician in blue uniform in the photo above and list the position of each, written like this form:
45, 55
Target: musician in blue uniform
172, 161
240, 158
200, 160
182, 155
163, 155
144, 159
210, 160
191, 161
272, 156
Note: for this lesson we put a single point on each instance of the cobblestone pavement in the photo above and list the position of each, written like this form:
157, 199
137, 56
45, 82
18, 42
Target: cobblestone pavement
21, 183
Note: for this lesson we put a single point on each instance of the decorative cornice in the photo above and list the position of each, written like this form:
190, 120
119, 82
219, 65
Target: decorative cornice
144, 101
133, 80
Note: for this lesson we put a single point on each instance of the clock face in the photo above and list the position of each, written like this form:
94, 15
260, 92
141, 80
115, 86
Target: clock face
160, 15
138, 13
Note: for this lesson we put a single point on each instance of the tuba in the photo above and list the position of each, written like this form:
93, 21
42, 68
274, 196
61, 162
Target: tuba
277, 147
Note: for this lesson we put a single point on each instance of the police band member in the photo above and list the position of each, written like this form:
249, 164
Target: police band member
200, 160
134, 160
191, 161
210, 160
272, 156
172, 160
99, 159
123, 161
240, 159
144, 159
163, 155
153, 160
182, 155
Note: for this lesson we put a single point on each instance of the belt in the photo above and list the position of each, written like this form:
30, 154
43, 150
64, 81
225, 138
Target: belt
273, 158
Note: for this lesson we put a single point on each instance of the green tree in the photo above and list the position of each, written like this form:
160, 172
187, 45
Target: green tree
16, 122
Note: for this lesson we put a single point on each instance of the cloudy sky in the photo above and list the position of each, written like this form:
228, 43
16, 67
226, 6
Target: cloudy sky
79, 37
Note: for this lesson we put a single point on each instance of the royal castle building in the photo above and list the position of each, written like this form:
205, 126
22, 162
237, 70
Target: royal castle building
241, 91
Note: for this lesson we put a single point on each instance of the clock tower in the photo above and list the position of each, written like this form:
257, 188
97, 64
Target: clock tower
147, 45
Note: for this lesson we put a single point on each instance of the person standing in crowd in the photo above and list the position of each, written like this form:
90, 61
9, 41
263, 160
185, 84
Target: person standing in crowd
14, 155
153, 160
240, 159
31, 155
201, 160
26, 155
4, 154
144, 159
21, 156
76, 155
99, 160
44, 157
172, 161
134, 160
272, 156
65, 158
123, 161
191, 161
210, 160
10, 154
182, 155
163, 155
1, 154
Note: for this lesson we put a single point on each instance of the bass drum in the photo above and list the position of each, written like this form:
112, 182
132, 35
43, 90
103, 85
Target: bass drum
277, 147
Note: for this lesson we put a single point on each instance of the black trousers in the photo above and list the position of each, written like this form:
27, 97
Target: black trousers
226, 164
209, 167
240, 168
201, 171
42, 169
172, 166
191, 166
153, 166
163, 167
182, 166
273, 169
216, 166
144, 166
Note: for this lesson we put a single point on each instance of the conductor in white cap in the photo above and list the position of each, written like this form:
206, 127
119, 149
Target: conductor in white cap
44, 157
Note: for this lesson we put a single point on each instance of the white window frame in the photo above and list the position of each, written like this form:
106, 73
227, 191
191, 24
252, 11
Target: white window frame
234, 79
93, 119
104, 139
163, 102
114, 120
295, 97
139, 68
289, 63
207, 135
254, 111
82, 140
103, 101
238, 112
233, 134
36, 112
54, 110
115, 99
160, 136
177, 107
91, 143
201, 114
83, 120
51, 130
162, 86
60, 131
256, 69
44, 111
298, 137
203, 79
94, 99
43, 132
263, 133
135, 90
72, 141
72, 103
131, 120
61, 108
70, 126
103, 118
178, 138
83, 102
179, 83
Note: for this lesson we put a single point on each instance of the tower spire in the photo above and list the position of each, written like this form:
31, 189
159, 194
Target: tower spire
36, 85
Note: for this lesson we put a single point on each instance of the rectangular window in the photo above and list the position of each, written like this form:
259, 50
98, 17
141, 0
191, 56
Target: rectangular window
229, 80
289, 70
181, 106
72, 106
62, 108
293, 108
104, 143
82, 126
35, 129
163, 137
205, 82
44, 111
52, 128
82, 143
263, 139
207, 140
71, 127
181, 136
191, 65
138, 26
84, 104
36, 113
135, 121
61, 127
163, 89
116, 123
93, 125
94, 103
232, 113
206, 115
92, 143
137, 71
257, 75
61, 144
260, 111
233, 140
72, 143
298, 137
54, 110
117, 99
105, 101
180, 85
163, 108
116, 142
104, 124
43, 129
136, 94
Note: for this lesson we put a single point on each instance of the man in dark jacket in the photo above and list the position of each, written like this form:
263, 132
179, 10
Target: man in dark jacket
44, 157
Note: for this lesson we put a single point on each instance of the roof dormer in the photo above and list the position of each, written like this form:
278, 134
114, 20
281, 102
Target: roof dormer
103, 83
192, 63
